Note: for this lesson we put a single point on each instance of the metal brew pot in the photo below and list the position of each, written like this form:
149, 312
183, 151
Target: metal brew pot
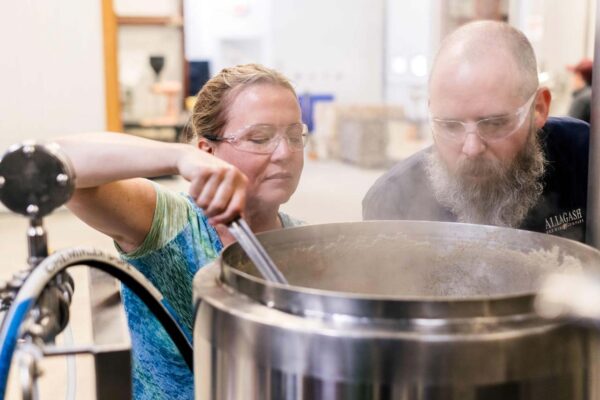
392, 310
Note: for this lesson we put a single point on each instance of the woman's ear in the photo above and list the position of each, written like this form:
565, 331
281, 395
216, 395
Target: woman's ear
206, 146
542, 107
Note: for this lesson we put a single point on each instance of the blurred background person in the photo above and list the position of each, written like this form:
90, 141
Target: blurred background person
581, 83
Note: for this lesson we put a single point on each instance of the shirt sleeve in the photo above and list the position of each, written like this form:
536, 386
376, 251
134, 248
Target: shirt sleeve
170, 217
381, 201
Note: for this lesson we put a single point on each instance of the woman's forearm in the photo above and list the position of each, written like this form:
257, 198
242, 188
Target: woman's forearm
216, 186
104, 157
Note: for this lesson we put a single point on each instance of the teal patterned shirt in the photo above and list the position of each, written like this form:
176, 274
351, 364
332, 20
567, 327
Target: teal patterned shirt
179, 243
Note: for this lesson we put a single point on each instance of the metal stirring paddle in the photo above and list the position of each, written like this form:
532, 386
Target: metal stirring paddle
256, 252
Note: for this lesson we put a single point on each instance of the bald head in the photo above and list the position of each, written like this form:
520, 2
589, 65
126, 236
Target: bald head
489, 44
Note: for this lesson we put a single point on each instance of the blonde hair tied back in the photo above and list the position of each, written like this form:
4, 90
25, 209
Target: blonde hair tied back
209, 114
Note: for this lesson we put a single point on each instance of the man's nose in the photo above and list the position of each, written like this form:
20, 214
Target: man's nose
473, 145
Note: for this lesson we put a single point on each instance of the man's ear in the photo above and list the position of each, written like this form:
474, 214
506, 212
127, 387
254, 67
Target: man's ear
542, 107
206, 146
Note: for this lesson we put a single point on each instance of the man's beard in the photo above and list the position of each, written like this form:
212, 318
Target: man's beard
503, 196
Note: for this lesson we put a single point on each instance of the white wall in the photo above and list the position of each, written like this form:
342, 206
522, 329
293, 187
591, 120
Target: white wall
331, 46
591, 27
51, 73
322, 45
158, 8
227, 31
562, 34
411, 43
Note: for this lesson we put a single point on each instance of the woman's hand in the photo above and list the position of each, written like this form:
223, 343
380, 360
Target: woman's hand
216, 186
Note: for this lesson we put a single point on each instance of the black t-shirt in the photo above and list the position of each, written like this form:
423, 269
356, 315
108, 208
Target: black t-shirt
405, 193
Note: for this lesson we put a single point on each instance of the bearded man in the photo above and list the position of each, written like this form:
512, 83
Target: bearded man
497, 158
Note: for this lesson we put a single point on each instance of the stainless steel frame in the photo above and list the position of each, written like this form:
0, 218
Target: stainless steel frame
593, 206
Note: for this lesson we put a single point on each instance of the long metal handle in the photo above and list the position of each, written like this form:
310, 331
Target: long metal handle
243, 234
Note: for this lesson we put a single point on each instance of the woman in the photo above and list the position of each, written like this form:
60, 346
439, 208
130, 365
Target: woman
247, 160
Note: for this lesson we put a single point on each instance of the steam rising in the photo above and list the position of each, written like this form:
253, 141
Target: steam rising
394, 265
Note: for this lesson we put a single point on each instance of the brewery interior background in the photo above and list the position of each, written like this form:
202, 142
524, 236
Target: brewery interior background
359, 66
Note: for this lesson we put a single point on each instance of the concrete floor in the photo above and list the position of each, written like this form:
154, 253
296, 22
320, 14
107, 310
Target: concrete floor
329, 191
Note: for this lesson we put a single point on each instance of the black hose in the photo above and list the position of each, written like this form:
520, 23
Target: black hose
45, 272
156, 306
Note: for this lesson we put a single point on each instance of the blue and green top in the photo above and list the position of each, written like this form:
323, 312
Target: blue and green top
180, 242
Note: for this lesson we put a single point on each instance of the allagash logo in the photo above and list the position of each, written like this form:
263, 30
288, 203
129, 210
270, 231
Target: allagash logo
562, 221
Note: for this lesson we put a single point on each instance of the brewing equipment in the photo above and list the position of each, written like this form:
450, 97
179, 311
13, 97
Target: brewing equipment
392, 310
34, 305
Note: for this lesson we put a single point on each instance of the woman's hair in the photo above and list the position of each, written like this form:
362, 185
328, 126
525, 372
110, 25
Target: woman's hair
212, 103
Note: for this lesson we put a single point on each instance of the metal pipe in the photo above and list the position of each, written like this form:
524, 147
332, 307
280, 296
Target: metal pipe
593, 199
55, 264
36, 241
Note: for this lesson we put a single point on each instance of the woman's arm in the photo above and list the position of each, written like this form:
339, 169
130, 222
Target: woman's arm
108, 199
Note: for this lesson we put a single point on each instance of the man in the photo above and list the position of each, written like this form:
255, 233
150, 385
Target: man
497, 159
581, 82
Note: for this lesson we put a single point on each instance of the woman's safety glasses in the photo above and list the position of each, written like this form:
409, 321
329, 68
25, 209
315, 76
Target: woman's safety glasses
264, 139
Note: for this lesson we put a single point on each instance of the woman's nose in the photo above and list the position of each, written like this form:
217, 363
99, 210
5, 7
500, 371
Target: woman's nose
473, 145
282, 149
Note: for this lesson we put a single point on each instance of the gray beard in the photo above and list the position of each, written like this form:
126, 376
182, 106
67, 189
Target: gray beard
503, 199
